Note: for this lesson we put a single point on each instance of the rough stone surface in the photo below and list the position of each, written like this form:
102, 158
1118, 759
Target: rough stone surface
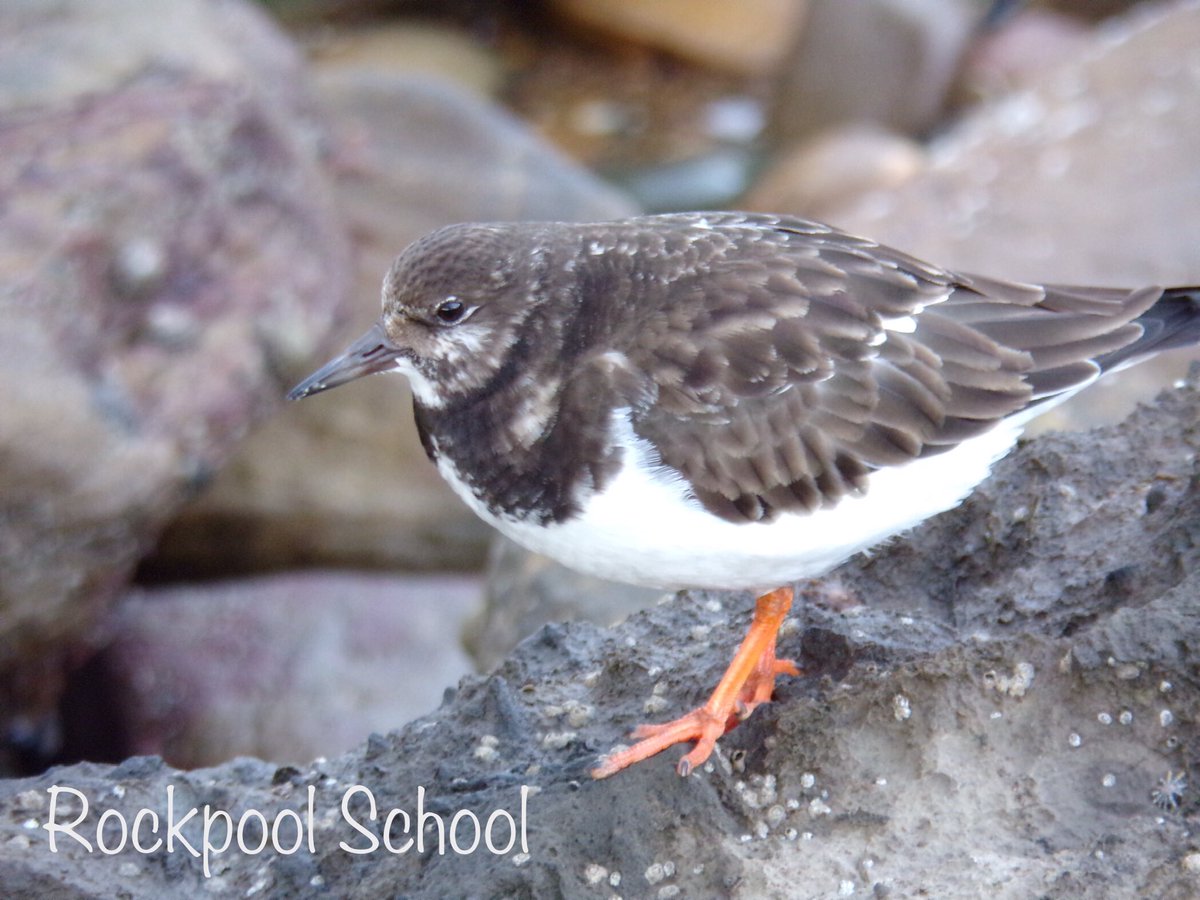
168, 246
285, 668
341, 479
987, 709
751, 37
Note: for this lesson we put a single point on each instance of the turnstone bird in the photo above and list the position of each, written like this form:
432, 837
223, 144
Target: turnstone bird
726, 400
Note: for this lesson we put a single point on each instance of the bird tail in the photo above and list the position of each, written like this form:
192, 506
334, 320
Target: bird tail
1173, 321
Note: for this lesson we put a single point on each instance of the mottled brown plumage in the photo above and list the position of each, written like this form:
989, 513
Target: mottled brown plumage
773, 391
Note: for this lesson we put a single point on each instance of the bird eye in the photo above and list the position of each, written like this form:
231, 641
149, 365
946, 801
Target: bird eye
450, 311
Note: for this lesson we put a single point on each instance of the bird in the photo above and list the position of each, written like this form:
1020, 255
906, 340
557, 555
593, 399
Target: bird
726, 400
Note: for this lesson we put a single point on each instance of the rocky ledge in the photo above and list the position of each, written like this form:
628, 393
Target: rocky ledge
1005, 701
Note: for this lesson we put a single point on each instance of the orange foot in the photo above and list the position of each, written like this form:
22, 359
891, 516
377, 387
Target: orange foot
749, 681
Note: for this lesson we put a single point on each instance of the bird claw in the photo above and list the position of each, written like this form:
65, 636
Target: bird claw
747, 683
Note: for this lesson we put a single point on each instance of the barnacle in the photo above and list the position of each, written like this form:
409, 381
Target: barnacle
1169, 791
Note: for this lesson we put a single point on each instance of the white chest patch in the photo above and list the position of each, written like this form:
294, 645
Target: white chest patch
643, 529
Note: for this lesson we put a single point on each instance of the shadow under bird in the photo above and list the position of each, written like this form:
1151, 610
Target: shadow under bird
726, 400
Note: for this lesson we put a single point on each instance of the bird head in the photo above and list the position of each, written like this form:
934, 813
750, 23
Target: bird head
453, 306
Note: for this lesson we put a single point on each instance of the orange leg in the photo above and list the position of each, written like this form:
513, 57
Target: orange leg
747, 682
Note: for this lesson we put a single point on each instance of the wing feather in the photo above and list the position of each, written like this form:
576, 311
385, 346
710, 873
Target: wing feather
787, 360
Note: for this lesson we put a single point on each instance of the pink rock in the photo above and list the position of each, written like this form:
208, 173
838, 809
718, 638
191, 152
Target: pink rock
285, 668
169, 255
1015, 53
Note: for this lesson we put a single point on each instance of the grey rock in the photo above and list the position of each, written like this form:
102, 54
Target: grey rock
887, 62
526, 590
341, 479
993, 702
1087, 175
710, 180
169, 248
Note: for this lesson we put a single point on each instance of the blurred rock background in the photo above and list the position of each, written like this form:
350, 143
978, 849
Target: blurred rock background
197, 206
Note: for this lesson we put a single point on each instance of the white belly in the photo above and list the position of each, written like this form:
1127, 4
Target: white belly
642, 530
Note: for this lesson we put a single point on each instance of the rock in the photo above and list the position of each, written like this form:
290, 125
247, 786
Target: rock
710, 180
168, 247
843, 163
1087, 176
526, 590
1006, 698
1084, 176
341, 479
285, 668
751, 37
409, 47
1019, 50
887, 62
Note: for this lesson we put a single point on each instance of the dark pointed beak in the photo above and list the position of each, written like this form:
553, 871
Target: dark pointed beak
371, 353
